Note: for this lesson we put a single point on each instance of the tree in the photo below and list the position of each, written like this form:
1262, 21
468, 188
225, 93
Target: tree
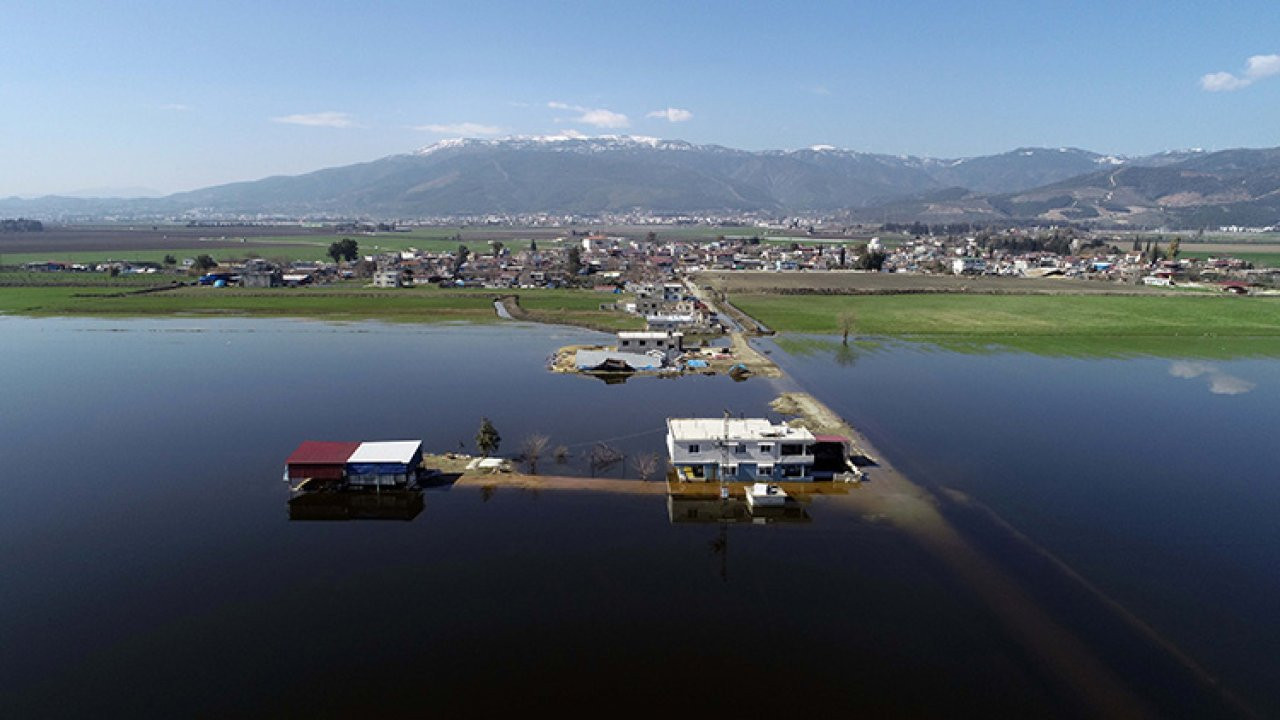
646, 465
1175, 247
344, 249
487, 437
847, 321
574, 258
497, 247
532, 449
170, 260
203, 262
533, 246
460, 258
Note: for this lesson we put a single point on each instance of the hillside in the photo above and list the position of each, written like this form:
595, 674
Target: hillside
591, 175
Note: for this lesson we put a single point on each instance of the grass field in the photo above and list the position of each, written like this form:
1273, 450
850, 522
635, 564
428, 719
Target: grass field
1259, 259
348, 301
1068, 317
283, 248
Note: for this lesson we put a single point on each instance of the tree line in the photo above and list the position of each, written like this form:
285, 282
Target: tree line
21, 225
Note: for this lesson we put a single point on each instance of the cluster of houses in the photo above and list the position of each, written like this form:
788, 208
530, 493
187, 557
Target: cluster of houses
647, 265
724, 449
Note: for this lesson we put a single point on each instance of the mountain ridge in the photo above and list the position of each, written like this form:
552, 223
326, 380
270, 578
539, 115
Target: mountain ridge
572, 174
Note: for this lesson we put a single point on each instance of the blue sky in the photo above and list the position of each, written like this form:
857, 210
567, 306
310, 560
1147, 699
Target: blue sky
178, 95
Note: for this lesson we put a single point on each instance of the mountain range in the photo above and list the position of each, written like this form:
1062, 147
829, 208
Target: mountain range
591, 175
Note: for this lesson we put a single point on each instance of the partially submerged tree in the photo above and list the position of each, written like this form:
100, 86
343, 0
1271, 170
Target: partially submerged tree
487, 437
603, 457
848, 321
646, 465
532, 449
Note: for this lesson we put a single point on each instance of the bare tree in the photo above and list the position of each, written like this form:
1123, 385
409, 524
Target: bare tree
646, 465
603, 457
532, 449
847, 322
561, 454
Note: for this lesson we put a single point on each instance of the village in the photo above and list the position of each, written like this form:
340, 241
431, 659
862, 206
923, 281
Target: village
612, 261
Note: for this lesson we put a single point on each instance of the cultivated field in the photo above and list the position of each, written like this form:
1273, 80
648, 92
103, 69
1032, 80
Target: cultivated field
287, 242
894, 283
1057, 316
342, 301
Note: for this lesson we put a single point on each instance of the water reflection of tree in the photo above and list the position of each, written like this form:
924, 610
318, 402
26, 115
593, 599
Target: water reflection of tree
720, 548
845, 355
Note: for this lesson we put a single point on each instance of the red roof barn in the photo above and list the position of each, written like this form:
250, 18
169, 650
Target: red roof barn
322, 460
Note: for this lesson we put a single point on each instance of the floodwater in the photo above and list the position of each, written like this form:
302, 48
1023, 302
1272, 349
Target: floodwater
150, 567
1153, 480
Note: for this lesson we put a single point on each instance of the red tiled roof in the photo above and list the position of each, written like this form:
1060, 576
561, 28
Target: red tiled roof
831, 439
312, 452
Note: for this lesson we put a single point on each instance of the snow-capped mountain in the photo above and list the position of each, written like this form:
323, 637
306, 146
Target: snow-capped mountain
570, 173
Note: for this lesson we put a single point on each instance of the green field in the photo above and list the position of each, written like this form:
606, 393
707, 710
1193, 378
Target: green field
1201, 326
1259, 259
284, 248
345, 301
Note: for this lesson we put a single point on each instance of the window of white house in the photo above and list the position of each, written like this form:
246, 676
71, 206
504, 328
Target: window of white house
740, 448
693, 448
766, 447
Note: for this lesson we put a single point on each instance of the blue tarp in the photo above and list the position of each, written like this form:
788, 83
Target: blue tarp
377, 469
697, 363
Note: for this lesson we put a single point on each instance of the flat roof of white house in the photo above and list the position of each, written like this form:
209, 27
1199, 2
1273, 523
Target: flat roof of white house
648, 334
734, 429
395, 451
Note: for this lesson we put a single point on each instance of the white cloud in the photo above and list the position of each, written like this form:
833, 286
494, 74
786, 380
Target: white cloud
1220, 383
321, 119
176, 107
467, 129
1255, 68
671, 114
820, 90
598, 117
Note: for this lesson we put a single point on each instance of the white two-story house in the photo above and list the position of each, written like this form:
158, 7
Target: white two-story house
739, 450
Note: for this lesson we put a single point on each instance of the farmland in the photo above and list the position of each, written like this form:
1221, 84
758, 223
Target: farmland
339, 302
1063, 315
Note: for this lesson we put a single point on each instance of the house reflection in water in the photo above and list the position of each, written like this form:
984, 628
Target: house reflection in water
356, 505
704, 508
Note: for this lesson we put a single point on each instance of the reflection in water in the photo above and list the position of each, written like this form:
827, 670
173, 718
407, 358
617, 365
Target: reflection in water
356, 505
1220, 383
711, 509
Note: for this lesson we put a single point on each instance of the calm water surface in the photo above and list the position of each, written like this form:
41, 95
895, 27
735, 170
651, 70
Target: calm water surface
1154, 478
151, 570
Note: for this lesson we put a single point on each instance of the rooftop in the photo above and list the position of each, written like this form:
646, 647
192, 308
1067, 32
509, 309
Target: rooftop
396, 451
648, 334
313, 452
735, 429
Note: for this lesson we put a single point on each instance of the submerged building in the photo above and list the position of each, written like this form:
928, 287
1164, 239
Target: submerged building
739, 450
357, 463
